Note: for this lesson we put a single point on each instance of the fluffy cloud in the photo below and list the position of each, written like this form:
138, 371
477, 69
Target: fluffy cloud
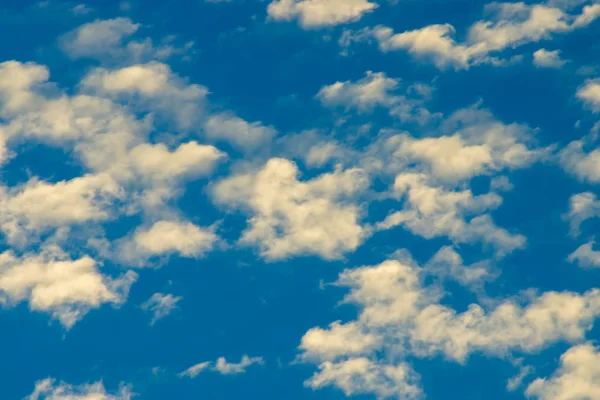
98, 37
222, 366
155, 87
373, 90
582, 206
576, 159
399, 315
164, 238
378, 90
38, 206
106, 137
468, 143
160, 305
577, 378
448, 264
238, 132
543, 58
510, 25
431, 211
589, 93
292, 217
110, 40
53, 282
363, 376
319, 13
49, 389
585, 256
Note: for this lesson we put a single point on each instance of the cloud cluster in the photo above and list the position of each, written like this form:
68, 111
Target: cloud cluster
400, 315
509, 25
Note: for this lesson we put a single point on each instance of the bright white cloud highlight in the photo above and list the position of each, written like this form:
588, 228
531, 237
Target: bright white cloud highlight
362, 376
589, 93
290, 217
577, 378
431, 211
319, 13
164, 238
399, 315
509, 25
53, 282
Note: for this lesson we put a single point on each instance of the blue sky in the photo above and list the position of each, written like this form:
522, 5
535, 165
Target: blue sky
297, 199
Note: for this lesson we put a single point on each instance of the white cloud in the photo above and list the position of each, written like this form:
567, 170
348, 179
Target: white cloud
378, 90
588, 15
585, 256
362, 376
49, 389
38, 206
577, 378
314, 149
155, 87
222, 366
82, 9
238, 132
468, 143
433, 42
226, 368
111, 41
399, 315
582, 206
100, 37
432, 211
292, 217
516, 381
319, 13
52, 282
160, 305
577, 160
448, 264
509, 25
16, 83
543, 58
373, 90
589, 93
164, 238
31, 112
195, 370
156, 163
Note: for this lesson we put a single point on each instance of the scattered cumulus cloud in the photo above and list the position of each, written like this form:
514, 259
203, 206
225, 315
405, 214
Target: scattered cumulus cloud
52, 282
291, 217
509, 25
543, 58
585, 256
313, 14
399, 315
578, 376
160, 305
